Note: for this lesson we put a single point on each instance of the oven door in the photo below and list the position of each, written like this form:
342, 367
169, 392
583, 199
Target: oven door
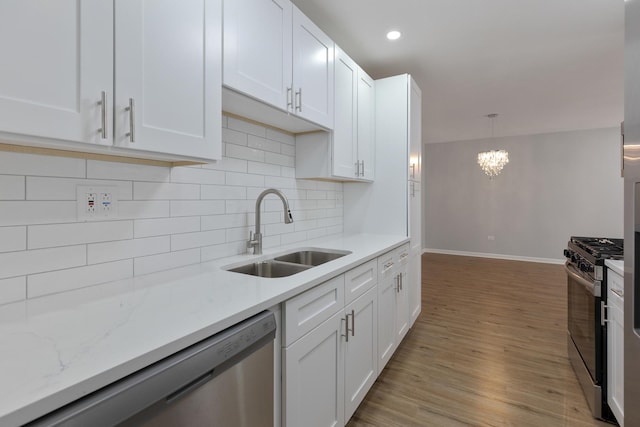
582, 318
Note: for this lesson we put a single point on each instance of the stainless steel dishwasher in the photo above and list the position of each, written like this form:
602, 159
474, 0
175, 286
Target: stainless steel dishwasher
225, 380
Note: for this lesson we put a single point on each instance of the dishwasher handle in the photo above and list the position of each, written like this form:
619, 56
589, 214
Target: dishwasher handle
167, 379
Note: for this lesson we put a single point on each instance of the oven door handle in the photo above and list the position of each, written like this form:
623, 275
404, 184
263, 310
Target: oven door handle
591, 287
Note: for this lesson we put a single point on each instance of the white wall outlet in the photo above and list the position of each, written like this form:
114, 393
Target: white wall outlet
491, 237
96, 203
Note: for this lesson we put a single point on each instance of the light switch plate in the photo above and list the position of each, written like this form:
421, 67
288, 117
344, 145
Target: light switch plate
97, 203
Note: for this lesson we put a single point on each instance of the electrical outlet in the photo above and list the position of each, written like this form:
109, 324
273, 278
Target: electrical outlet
491, 237
96, 203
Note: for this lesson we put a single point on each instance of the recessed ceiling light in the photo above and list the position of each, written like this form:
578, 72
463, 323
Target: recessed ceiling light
394, 35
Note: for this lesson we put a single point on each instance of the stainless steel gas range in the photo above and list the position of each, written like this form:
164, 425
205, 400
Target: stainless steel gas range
586, 290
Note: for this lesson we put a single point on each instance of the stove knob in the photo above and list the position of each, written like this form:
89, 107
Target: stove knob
574, 258
567, 253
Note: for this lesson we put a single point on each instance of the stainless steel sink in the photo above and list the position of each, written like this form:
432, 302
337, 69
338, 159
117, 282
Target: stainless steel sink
270, 268
311, 257
289, 264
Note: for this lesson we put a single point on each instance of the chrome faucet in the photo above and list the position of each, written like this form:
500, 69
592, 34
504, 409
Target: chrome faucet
255, 240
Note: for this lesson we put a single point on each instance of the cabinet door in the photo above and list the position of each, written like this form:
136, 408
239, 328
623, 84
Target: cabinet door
345, 153
402, 294
57, 59
366, 124
415, 286
312, 71
257, 49
415, 131
168, 68
615, 347
387, 289
314, 377
361, 351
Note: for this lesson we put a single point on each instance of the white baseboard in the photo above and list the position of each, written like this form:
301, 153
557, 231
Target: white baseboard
495, 256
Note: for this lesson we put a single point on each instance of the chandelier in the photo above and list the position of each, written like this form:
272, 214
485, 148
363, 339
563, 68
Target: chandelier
492, 162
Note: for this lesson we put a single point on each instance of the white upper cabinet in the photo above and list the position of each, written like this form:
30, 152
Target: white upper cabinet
167, 62
366, 125
62, 60
56, 61
257, 48
275, 54
345, 130
312, 71
347, 153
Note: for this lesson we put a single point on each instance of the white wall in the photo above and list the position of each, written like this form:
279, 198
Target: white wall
169, 217
555, 186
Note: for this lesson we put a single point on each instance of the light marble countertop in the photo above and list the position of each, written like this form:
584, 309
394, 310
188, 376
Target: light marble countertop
59, 348
615, 265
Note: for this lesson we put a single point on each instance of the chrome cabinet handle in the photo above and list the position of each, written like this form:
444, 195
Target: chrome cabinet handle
299, 100
103, 115
357, 168
413, 189
353, 323
387, 266
132, 120
346, 324
362, 173
289, 99
413, 170
397, 280
619, 292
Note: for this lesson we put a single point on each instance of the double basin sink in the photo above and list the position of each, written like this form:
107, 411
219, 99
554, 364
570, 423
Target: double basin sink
290, 263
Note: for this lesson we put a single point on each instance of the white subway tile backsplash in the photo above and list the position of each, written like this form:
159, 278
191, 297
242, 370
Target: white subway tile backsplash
44, 188
12, 187
234, 137
264, 169
29, 212
144, 209
167, 217
165, 191
245, 180
153, 263
246, 127
47, 236
210, 253
246, 153
13, 239
196, 207
12, 290
112, 251
279, 159
264, 144
227, 164
222, 192
165, 226
192, 175
111, 170
196, 240
75, 278
280, 136
37, 261
38, 165
219, 222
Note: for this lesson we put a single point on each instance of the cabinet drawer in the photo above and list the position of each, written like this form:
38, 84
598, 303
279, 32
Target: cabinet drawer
401, 255
386, 264
359, 280
309, 309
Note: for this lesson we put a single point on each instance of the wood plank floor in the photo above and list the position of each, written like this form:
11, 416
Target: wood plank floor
489, 349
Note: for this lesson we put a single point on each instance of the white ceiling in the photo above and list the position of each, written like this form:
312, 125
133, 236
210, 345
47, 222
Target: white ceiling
543, 65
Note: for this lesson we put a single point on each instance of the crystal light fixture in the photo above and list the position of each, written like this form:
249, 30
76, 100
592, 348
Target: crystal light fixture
492, 162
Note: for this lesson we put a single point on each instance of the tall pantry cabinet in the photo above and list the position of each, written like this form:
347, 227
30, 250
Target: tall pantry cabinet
391, 204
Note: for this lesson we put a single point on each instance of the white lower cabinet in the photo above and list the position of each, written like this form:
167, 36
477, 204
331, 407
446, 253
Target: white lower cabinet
615, 345
338, 336
393, 302
313, 377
